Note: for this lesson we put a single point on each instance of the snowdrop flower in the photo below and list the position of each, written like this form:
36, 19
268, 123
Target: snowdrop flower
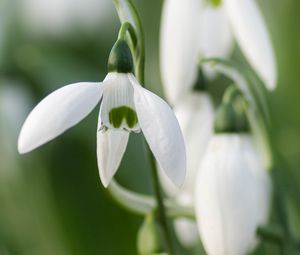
195, 28
233, 190
125, 107
195, 114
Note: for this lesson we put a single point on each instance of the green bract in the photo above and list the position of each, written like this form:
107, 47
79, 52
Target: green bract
231, 116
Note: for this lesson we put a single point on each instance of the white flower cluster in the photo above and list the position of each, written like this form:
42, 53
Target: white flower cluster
227, 183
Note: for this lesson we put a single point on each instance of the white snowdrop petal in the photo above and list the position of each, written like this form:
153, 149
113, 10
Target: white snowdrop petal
58, 112
232, 195
195, 116
252, 36
111, 146
162, 132
216, 39
179, 37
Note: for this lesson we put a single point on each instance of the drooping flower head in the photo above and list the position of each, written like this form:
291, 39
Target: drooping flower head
125, 106
233, 188
194, 29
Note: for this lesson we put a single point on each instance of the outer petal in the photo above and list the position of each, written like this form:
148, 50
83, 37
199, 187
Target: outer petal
111, 145
232, 195
58, 112
216, 39
162, 132
253, 38
195, 116
179, 46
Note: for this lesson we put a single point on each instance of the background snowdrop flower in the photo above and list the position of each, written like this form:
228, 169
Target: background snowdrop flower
252, 36
195, 114
243, 21
232, 195
232, 188
125, 107
214, 30
178, 46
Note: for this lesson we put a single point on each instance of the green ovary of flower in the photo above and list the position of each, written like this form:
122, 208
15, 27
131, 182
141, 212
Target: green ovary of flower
215, 3
123, 113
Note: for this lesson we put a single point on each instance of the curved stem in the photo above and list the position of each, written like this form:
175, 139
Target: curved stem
131, 201
140, 72
144, 204
127, 27
161, 209
128, 13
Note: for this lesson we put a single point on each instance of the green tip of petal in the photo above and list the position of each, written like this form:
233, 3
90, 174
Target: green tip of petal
123, 113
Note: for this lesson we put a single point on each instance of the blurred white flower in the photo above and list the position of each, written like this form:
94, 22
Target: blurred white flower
232, 195
179, 38
58, 18
195, 29
253, 38
195, 114
126, 106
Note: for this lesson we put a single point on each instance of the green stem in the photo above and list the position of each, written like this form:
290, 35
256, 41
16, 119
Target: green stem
272, 235
140, 73
127, 27
161, 210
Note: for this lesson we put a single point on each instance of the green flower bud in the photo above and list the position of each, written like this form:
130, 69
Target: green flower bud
120, 58
231, 116
150, 237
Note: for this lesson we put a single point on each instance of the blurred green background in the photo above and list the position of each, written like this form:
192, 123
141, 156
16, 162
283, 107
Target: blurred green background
51, 200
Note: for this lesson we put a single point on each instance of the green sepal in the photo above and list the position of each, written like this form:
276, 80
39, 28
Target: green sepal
123, 113
120, 58
150, 239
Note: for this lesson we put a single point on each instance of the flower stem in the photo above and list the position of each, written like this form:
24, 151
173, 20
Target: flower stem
127, 27
161, 209
127, 12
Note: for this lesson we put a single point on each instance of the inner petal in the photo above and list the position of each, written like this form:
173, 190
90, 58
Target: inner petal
117, 107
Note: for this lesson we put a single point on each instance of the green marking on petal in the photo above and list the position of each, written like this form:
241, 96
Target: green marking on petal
117, 115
